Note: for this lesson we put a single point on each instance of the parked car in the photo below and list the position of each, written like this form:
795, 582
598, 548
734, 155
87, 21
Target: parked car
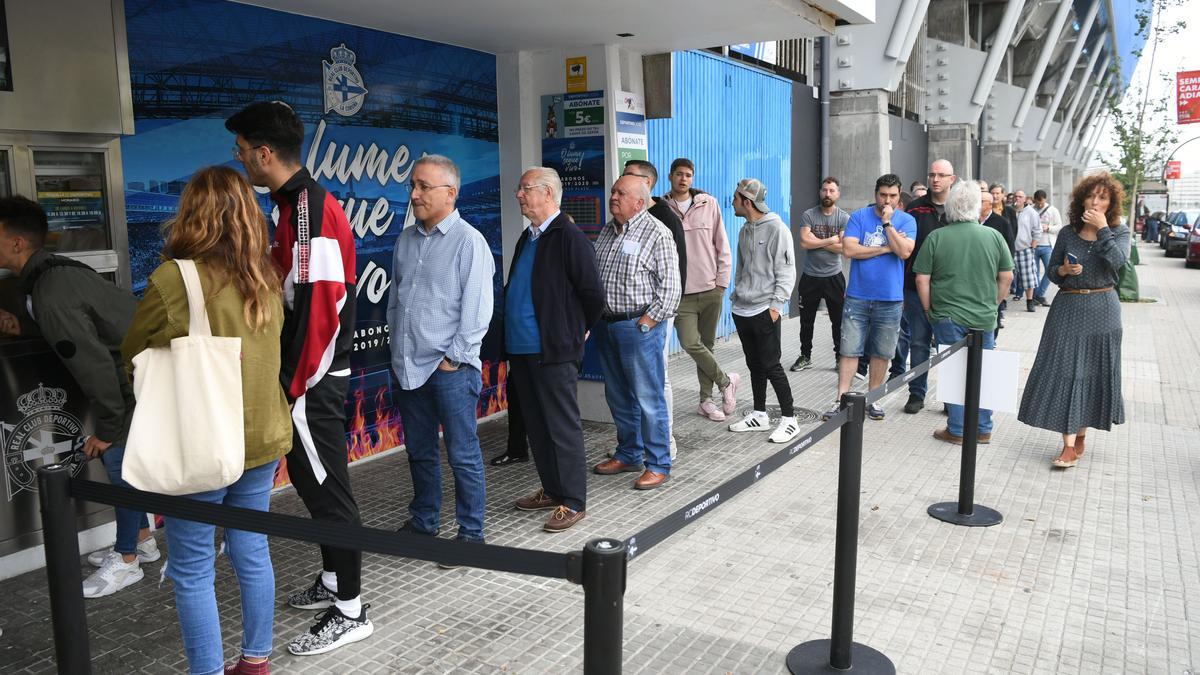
1175, 240
1192, 257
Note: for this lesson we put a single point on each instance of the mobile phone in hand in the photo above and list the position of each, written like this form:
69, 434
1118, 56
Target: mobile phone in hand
1072, 259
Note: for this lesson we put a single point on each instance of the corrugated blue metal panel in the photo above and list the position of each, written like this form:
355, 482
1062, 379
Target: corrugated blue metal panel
733, 122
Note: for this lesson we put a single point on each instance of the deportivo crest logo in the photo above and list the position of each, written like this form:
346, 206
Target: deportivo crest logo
344, 88
46, 435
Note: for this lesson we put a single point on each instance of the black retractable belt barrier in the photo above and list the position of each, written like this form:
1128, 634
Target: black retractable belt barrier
604, 567
910, 375
68, 616
841, 653
966, 511
339, 535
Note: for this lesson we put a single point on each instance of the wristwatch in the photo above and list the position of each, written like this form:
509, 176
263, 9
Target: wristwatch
643, 327
887, 223
453, 364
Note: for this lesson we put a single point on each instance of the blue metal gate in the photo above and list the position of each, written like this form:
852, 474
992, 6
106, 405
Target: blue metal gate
733, 122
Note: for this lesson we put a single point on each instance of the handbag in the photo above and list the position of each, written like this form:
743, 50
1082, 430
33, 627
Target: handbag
187, 433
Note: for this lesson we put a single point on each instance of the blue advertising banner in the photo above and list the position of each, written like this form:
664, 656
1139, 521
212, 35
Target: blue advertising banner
372, 104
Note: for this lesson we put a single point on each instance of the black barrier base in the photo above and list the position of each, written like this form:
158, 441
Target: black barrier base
981, 516
813, 657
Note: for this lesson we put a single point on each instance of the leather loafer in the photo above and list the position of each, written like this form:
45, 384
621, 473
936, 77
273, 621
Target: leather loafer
506, 459
610, 467
537, 501
945, 435
649, 480
562, 519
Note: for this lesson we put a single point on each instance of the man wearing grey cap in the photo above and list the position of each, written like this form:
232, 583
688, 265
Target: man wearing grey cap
766, 273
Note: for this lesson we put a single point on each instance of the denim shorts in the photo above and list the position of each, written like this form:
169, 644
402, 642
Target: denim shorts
870, 327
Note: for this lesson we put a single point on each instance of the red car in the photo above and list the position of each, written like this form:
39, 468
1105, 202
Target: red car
1192, 258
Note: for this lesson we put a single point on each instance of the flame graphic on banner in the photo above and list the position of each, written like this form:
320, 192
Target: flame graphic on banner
385, 431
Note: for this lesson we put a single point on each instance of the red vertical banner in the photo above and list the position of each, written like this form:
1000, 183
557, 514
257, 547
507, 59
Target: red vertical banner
1174, 170
1187, 96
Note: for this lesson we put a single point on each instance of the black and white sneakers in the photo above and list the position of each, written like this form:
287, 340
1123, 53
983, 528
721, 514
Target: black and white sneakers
332, 630
313, 597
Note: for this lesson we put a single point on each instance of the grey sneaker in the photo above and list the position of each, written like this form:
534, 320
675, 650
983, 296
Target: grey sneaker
147, 552
834, 409
332, 630
114, 575
802, 363
875, 412
313, 597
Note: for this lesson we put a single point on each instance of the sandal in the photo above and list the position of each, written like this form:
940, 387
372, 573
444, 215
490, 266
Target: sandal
1060, 463
506, 459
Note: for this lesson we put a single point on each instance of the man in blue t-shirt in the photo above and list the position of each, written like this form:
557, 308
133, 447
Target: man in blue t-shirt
878, 239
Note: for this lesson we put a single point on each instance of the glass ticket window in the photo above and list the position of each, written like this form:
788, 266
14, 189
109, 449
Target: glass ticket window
5, 174
71, 186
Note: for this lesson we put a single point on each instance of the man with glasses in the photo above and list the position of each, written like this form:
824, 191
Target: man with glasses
438, 311
552, 297
916, 333
318, 300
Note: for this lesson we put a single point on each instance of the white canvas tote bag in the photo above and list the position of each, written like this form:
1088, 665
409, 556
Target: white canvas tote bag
187, 433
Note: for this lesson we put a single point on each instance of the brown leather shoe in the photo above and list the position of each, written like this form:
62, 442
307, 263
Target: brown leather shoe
944, 434
537, 501
610, 467
649, 480
562, 519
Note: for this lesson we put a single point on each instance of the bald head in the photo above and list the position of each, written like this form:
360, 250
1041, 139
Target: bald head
941, 177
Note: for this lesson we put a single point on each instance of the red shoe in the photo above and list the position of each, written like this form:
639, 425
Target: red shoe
244, 667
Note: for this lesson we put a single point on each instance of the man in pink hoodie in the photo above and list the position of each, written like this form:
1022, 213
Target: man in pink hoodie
708, 266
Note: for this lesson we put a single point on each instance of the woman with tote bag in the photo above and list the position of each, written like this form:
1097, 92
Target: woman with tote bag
220, 233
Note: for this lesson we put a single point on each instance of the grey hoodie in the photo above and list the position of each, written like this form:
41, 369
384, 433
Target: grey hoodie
766, 265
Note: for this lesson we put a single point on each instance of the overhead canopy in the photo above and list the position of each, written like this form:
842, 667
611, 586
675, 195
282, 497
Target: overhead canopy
500, 26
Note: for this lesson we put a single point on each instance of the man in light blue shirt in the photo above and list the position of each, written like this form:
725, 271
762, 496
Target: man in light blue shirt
438, 312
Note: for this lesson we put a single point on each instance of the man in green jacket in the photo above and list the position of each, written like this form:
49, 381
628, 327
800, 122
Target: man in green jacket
83, 318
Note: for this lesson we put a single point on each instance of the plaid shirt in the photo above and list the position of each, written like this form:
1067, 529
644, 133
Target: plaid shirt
639, 267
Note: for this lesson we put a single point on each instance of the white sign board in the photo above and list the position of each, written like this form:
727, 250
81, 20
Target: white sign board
998, 391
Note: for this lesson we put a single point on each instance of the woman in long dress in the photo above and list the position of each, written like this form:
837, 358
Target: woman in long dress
1075, 383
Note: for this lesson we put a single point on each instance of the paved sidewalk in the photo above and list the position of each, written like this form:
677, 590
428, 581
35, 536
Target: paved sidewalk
1094, 570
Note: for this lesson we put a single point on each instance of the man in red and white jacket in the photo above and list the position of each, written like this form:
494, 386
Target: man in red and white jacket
314, 248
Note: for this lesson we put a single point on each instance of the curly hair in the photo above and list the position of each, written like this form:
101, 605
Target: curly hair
1084, 188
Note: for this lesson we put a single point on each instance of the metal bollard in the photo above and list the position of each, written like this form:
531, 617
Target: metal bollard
966, 511
841, 653
604, 567
68, 616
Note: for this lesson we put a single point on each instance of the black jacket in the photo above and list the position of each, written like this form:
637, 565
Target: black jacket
663, 212
1006, 230
567, 294
926, 214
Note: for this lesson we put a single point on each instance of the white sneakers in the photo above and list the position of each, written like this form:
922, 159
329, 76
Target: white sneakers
786, 431
147, 552
113, 575
758, 420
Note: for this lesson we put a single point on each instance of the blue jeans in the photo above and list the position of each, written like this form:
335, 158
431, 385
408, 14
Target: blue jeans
192, 568
128, 521
633, 367
448, 399
913, 345
1043, 255
947, 333
870, 327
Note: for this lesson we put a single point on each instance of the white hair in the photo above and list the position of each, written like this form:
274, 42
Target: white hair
548, 177
643, 191
453, 176
963, 202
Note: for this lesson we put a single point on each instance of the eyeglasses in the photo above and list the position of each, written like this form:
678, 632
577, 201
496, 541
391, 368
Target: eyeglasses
527, 188
639, 175
420, 186
238, 150
940, 175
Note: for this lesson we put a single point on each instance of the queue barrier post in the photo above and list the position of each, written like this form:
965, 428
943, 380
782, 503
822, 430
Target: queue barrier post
604, 568
966, 512
840, 653
65, 582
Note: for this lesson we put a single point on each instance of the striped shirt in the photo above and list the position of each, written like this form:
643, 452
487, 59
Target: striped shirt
639, 267
441, 300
